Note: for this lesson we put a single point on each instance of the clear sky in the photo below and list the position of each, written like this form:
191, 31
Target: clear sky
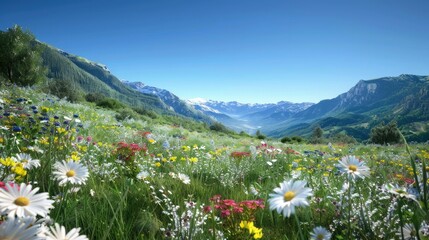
251, 51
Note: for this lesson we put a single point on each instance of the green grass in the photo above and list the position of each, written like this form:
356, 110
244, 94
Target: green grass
117, 203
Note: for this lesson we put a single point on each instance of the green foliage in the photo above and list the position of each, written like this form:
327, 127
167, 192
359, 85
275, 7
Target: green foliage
126, 113
65, 89
343, 138
317, 135
219, 127
110, 103
153, 191
294, 139
20, 59
94, 97
259, 135
386, 134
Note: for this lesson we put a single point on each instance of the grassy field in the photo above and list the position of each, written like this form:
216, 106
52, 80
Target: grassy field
139, 180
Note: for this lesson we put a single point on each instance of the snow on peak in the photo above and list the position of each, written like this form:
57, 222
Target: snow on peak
198, 100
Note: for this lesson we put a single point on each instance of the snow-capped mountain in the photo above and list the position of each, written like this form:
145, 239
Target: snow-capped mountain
247, 117
174, 102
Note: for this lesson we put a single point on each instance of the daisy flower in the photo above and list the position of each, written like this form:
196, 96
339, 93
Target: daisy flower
20, 228
59, 233
320, 233
184, 178
22, 200
399, 191
70, 172
27, 161
353, 167
289, 195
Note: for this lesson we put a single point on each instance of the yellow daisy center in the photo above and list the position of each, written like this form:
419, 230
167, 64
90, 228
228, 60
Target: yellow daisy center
353, 168
71, 173
320, 236
22, 201
289, 196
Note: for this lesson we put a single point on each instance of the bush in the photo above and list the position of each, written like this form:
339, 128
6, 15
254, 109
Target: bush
125, 113
294, 139
343, 138
94, 97
286, 140
386, 134
110, 103
218, 127
65, 89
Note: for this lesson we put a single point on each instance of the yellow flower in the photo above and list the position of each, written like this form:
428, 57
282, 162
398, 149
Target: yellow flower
246, 224
157, 164
186, 148
7, 162
257, 232
44, 141
193, 159
19, 170
173, 158
74, 156
152, 141
61, 130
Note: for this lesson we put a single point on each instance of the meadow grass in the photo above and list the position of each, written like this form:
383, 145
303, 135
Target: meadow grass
151, 181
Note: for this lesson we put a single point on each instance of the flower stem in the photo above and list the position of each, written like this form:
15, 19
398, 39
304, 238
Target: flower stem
299, 227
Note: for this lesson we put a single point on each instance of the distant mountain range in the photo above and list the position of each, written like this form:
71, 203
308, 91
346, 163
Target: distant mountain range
248, 117
404, 99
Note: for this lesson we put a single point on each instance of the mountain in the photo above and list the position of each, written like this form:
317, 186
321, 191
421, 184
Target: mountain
404, 99
245, 116
91, 77
174, 103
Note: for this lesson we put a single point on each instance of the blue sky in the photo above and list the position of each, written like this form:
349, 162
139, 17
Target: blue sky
251, 51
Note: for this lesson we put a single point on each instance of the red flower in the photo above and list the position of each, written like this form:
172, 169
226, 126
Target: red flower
240, 154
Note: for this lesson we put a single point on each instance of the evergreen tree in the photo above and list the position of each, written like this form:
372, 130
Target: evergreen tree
317, 135
20, 57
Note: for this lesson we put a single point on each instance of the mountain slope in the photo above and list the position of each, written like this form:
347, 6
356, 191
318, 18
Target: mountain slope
174, 103
94, 77
404, 99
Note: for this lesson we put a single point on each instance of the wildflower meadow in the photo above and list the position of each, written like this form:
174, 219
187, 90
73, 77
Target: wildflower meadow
73, 171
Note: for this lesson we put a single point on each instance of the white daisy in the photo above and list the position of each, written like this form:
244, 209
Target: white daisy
27, 161
59, 233
289, 195
397, 190
184, 178
143, 175
353, 167
320, 233
70, 172
20, 228
22, 200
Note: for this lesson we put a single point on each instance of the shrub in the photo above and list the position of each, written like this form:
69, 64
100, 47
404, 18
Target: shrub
110, 103
386, 134
94, 97
65, 89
